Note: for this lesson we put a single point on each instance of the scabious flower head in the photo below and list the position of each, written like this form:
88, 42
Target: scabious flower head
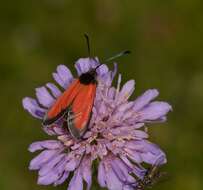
115, 136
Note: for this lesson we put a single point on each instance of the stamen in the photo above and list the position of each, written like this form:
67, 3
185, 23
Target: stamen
118, 85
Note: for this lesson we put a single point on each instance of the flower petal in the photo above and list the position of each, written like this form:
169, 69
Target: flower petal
54, 89
154, 111
49, 166
113, 73
58, 79
124, 107
33, 108
139, 172
129, 187
42, 158
105, 80
112, 181
102, 70
86, 171
83, 65
133, 155
71, 164
65, 75
47, 179
145, 98
49, 144
44, 97
122, 171
152, 154
76, 182
52, 171
101, 175
62, 178
140, 134
111, 93
126, 91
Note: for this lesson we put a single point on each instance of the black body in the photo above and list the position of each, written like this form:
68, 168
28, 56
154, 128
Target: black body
88, 77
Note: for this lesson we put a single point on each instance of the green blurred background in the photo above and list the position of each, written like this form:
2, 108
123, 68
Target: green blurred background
166, 38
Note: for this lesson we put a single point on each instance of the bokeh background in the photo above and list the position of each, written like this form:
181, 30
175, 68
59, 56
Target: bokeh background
166, 38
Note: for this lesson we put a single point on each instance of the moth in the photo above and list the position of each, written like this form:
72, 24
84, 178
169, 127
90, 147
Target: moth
75, 104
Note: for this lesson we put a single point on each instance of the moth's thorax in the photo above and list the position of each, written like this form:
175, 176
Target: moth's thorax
88, 77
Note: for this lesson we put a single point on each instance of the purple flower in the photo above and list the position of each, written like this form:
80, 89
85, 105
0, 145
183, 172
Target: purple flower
115, 137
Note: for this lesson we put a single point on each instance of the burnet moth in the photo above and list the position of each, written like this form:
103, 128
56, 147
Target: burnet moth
75, 104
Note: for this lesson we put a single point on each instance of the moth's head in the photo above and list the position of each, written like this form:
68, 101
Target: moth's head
88, 77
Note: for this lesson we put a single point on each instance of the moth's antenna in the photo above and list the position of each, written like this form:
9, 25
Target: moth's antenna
88, 44
118, 55
114, 57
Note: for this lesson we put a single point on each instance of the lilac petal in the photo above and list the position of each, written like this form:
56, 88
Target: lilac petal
138, 125
102, 70
65, 75
44, 97
154, 111
49, 130
101, 175
47, 179
119, 170
150, 158
58, 129
148, 146
48, 167
126, 161
62, 179
71, 164
128, 187
140, 134
122, 171
49, 144
113, 74
152, 154
76, 182
83, 65
94, 62
133, 155
126, 90
118, 85
136, 145
129, 114
102, 151
86, 171
52, 171
104, 80
138, 171
33, 108
124, 107
58, 79
160, 160
145, 98
112, 181
161, 119
111, 93
42, 158
102, 109
54, 89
